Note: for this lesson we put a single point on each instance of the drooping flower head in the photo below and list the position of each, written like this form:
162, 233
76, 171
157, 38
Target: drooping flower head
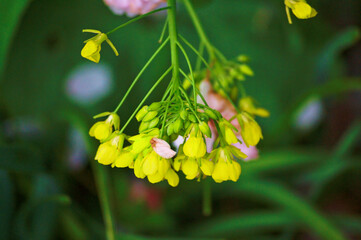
91, 50
300, 8
103, 129
250, 130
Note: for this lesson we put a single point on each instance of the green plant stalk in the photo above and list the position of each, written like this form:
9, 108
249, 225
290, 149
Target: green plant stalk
141, 73
145, 98
136, 19
102, 184
172, 26
207, 198
198, 26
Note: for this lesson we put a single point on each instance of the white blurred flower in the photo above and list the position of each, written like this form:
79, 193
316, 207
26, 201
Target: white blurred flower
133, 7
89, 83
309, 115
77, 154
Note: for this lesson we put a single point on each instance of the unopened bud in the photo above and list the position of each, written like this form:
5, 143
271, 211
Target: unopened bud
141, 114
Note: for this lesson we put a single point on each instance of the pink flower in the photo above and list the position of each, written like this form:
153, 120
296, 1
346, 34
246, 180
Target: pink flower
162, 148
133, 7
221, 104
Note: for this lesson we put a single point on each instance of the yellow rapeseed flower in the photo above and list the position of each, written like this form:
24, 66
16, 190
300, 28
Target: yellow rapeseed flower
92, 47
300, 8
109, 151
250, 130
226, 168
247, 104
103, 129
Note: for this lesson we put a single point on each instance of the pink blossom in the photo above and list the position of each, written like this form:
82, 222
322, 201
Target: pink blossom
133, 7
221, 104
162, 148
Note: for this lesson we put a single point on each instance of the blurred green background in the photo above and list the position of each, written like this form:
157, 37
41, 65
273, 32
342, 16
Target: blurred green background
305, 185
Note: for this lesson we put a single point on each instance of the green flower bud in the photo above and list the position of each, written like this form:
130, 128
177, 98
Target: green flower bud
177, 126
187, 124
149, 116
192, 118
170, 129
153, 123
203, 126
142, 112
155, 106
211, 114
204, 117
184, 114
143, 126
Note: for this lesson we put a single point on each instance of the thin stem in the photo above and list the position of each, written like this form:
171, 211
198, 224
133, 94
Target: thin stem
198, 26
199, 58
163, 31
189, 102
191, 72
145, 98
140, 74
199, 54
172, 26
199, 93
102, 184
136, 19
207, 198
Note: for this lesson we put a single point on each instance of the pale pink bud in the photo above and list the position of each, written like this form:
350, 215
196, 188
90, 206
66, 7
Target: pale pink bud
133, 7
162, 148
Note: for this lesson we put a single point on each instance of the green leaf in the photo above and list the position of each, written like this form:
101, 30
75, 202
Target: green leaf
242, 223
298, 208
10, 14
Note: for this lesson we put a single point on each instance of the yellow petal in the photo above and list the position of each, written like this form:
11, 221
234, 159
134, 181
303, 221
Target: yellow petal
207, 167
155, 178
172, 178
303, 11
150, 165
124, 159
220, 172
190, 168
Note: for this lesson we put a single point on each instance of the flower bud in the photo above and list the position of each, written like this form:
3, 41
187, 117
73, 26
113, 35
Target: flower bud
177, 125
211, 114
155, 106
184, 114
153, 123
143, 126
203, 126
149, 116
192, 118
141, 114
170, 129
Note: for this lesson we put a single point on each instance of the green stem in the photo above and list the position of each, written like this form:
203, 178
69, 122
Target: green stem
140, 74
191, 72
189, 102
207, 198
145, 98
199, 28
172, 25
102, 184
136, 19
199, 93
163, 31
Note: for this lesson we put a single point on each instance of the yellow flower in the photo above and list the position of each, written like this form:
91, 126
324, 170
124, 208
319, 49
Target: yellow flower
142, 141
226, 168
227, 131
300, 8
103, 129
110, 150
246, 104
92, 47
195, 146
250, 130
124, 159
191, 166
156, 168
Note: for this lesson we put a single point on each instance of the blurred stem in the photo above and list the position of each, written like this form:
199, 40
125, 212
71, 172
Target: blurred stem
136, 19
140, 74
103, 185
145, 98
207, 198
172, 26
199, 28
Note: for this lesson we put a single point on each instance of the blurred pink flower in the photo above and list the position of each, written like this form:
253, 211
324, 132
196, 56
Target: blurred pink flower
133, 7
140, 192
221, 104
